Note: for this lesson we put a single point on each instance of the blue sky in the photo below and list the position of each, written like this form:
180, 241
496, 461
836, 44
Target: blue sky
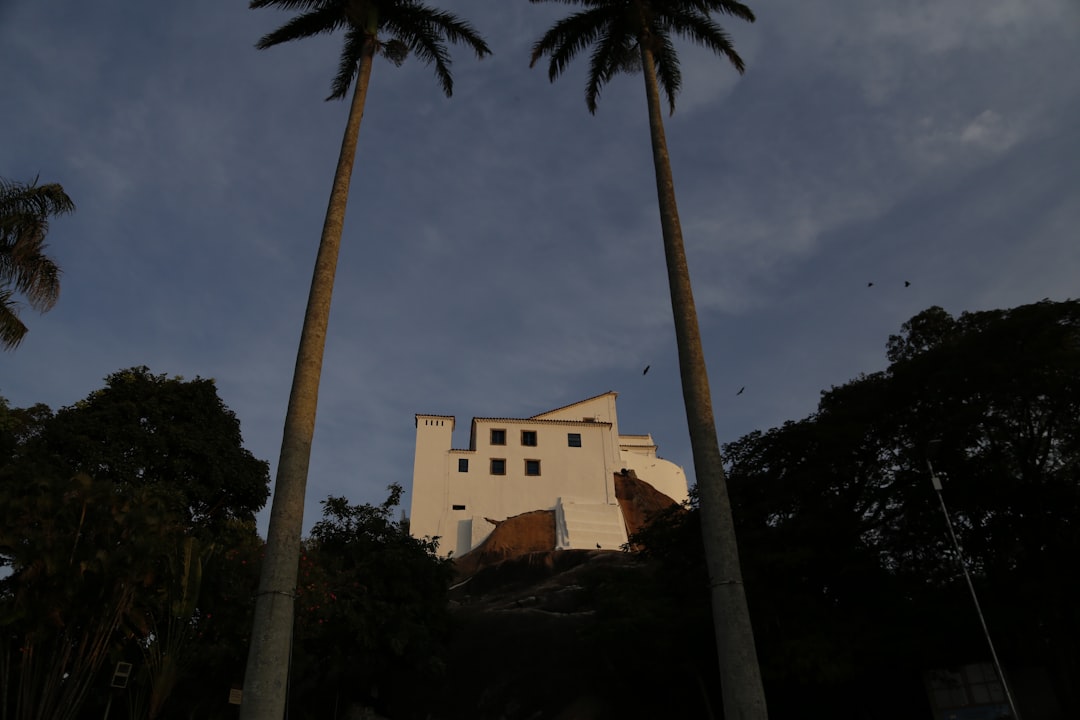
502, 251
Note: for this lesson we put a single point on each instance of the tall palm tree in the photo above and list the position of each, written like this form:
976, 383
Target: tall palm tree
25, 209
627, 36
392, 28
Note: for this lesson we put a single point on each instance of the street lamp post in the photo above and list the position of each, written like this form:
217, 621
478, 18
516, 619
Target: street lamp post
971, 587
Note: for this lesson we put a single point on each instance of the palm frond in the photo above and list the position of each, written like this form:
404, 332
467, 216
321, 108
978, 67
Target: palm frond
568, 37
613, 54
286, 4
349, 62
33, 274
30, 199
586, 3
325, 19
703, 30
724, 7
25, 209
457, 31
426, 44
426, 31
12, 329
668, 74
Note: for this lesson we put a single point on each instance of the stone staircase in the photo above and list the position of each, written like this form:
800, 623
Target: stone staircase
588, 526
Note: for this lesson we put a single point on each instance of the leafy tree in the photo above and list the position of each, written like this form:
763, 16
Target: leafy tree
638, 35
393, 28
25, 209
80, 554
144, 429
119, 517
372, 612
854, 582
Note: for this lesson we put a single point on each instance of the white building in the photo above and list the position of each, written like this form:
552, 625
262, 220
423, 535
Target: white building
563, 460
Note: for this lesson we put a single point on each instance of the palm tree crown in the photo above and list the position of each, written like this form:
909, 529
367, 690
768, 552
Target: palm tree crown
393, 28
25, 209
618, 30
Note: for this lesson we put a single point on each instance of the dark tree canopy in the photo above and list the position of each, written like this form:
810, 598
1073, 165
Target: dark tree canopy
123, 520
372, 611
852, 578
143, 429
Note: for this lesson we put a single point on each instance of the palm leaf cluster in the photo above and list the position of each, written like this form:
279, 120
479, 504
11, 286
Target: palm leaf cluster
392, 28
618, 31
25, 269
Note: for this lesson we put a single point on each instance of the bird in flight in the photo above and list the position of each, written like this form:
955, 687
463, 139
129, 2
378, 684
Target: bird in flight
869, 284
646, 370
907, 283
740, 390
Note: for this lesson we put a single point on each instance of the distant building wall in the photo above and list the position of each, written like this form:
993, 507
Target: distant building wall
515, 465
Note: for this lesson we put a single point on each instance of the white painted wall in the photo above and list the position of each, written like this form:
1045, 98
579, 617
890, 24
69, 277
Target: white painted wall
452, 502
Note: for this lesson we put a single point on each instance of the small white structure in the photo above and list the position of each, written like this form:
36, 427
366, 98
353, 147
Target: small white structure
563, 460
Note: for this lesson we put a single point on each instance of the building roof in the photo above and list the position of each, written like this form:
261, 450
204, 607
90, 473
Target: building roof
579, 402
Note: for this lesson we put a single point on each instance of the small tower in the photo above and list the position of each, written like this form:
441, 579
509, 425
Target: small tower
434, 434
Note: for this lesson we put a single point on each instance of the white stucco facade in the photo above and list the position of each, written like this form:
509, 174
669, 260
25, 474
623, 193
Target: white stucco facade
564, 460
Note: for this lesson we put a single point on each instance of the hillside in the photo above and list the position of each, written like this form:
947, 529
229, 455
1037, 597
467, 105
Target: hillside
558, 634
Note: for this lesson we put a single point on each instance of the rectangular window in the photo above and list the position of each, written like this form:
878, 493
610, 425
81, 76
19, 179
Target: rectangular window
528, 438
573, 439
498, 437
532, 467
463, 465
459, 507
498, 466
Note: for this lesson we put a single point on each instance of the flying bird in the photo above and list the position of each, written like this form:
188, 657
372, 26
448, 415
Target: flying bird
869, 284
598, 546
907, 283
646, 370
740, 390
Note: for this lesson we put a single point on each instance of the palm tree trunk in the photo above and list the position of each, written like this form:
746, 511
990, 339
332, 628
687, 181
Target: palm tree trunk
266, 678
744, 697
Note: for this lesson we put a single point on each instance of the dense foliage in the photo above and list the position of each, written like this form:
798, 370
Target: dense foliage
853, 582
127, 535
372, 613
120, 518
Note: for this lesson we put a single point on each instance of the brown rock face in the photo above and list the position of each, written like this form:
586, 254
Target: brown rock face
638, 500
518, 535
534, 532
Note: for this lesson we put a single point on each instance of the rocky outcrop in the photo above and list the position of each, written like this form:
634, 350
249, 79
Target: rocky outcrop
638, 500
513, 537
534, 532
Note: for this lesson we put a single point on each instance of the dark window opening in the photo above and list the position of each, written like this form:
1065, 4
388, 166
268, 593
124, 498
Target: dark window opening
573, 439
463, 465
532, 467
498, 466
498, 437
528, 438
459, 507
